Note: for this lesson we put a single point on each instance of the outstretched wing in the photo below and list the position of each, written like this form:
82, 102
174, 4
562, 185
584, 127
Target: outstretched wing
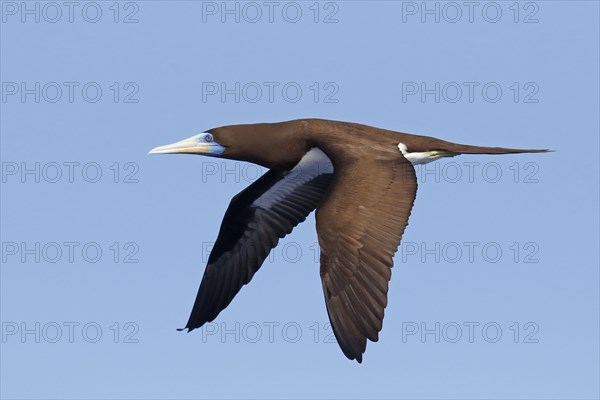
360, 224
256, 219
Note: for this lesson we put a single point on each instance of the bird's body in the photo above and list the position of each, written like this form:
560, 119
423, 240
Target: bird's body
362, 183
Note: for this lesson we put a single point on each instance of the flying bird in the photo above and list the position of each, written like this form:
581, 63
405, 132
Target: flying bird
362, 183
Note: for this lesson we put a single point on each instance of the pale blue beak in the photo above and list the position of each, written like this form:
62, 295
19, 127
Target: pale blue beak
199, 144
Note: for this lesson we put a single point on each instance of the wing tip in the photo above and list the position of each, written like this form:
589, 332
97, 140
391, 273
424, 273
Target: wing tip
358, 357
353, 355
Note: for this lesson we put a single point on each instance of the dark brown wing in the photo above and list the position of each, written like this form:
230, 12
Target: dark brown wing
256, 219
360, 224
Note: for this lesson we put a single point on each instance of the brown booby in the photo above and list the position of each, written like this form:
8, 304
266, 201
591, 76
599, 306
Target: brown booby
362, 183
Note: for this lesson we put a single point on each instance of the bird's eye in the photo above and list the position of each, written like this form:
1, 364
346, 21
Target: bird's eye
208, 138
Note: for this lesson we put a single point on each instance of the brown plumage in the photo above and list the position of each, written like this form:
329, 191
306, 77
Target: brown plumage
362, 183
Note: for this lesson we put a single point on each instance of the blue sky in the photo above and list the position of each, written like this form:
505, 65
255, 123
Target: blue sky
495, 288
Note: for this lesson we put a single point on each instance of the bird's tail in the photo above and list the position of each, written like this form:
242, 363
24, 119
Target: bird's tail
466, 149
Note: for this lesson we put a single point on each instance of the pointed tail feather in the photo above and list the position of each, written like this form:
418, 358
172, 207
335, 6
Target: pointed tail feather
466, 149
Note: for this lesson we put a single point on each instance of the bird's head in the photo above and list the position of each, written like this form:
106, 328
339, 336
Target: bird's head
238, 142
269, 145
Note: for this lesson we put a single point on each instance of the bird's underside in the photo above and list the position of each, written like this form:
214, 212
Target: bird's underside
362, 209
